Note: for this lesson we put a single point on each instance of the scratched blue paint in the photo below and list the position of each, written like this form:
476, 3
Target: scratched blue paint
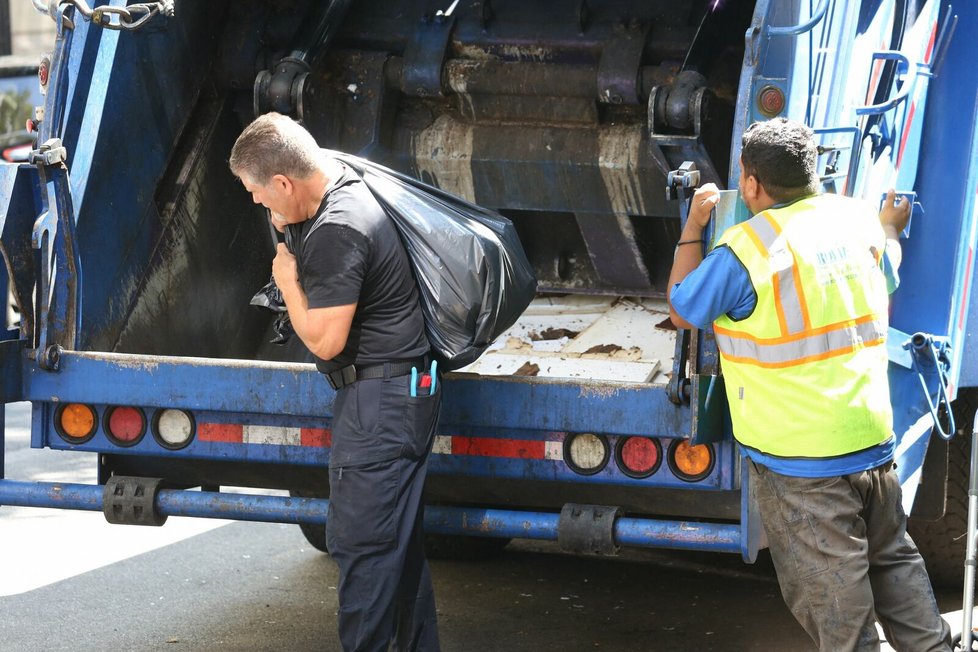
45, 435
933, 296
298, 390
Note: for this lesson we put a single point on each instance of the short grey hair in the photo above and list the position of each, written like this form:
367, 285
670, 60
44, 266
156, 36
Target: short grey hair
275, 144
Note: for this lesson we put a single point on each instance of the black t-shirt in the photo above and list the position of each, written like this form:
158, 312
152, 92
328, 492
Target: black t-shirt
351, 253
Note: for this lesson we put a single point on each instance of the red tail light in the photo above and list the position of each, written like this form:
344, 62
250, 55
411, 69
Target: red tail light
125, 426
638, 457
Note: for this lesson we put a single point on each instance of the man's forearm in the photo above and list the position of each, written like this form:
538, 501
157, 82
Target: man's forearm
324, 331
297, 306
689, 254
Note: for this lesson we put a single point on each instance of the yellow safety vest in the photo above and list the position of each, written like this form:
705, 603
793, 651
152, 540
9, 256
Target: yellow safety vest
806, 371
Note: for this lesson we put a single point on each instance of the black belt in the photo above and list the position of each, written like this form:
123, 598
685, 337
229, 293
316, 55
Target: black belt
340, 378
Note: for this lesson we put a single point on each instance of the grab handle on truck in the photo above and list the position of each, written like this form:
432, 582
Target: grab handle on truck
929, 356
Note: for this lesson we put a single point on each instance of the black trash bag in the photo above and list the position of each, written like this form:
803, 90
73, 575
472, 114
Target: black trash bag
472, 273
270, 297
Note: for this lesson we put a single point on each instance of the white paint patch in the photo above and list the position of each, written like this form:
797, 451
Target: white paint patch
442, 445
554, 450
443, 155
272, 435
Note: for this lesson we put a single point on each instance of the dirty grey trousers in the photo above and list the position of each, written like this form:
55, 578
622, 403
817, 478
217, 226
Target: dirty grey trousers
844, 560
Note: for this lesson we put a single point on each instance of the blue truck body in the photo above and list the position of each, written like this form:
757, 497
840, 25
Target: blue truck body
131, 253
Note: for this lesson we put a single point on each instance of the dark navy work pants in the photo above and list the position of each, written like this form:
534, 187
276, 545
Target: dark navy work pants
381, 440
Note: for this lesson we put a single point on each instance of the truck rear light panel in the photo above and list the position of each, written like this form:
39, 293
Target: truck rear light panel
588, 458
174, 432
567, 457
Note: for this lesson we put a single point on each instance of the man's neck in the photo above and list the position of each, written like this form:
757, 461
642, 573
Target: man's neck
312, 190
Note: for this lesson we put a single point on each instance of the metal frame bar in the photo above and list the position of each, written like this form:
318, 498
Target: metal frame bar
647, 533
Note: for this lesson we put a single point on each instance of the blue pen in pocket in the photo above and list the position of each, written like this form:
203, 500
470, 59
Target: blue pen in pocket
434, 376
414, 381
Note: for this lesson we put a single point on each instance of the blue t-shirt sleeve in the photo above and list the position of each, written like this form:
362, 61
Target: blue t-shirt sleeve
719, 285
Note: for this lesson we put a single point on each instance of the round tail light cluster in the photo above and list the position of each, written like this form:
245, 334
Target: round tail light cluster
124, 426
638, 457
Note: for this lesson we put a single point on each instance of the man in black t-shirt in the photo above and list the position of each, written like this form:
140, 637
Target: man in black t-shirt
353, 302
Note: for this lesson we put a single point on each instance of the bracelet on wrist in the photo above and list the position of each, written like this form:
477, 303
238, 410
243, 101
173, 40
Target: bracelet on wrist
684, 242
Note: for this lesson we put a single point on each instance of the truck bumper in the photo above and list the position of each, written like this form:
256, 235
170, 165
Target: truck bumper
465, 521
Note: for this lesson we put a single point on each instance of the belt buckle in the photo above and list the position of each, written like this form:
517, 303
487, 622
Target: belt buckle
348, 375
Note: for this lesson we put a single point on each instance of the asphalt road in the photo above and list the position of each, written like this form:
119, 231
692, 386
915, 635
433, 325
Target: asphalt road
69, 581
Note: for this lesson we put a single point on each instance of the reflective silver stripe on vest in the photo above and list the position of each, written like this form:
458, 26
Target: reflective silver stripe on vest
782, 262
817, 344
763, 229
790, 296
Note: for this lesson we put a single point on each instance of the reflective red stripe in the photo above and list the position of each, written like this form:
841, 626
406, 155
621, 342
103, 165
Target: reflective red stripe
222, 432
906, 132
488, 447
967, 284
317, 437
930, 44
323, 438
233, 433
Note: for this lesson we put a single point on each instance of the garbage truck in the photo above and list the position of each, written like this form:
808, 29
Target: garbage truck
131, 252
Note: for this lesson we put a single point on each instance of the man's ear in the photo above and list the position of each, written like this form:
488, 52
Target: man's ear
283, 183
750, 188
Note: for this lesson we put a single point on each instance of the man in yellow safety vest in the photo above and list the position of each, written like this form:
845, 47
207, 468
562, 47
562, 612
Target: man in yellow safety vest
798, 298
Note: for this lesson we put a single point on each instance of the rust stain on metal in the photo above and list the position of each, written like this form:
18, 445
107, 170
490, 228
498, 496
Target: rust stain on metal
604, 348
666, 324
553, 334
458, 74
506, 51
528, 369
485, 524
